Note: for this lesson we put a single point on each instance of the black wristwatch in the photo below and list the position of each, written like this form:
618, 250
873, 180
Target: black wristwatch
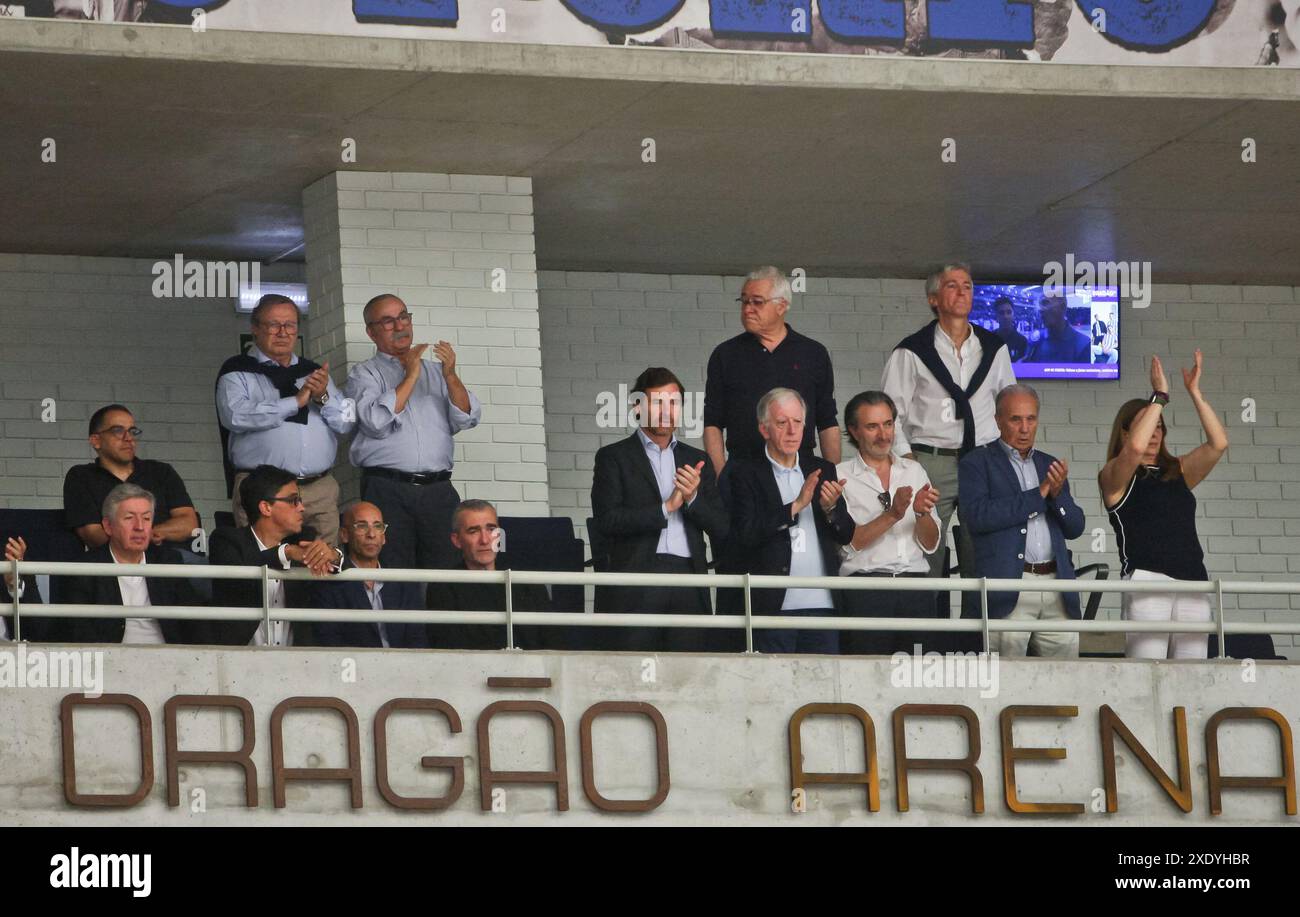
1160, 398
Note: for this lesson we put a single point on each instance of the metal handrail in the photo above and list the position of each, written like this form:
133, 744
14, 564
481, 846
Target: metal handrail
744, 581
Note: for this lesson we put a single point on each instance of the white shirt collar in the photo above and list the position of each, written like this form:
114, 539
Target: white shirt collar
781, 469
648, 442
144, 559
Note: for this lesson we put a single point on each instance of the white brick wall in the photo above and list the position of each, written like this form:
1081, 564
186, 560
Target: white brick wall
88, 332
599, 330
436, 240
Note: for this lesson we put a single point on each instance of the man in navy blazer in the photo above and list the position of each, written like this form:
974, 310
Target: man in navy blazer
1017, 504
363, 535
789, 518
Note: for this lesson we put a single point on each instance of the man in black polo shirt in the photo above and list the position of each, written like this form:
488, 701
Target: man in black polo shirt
769, 354
113, 436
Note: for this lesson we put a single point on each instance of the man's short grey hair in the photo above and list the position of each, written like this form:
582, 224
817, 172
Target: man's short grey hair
1010, 391
469, 506
935, 278
120, 494
780, 283
778, 394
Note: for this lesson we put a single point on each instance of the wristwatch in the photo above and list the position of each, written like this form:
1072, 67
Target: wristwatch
1160, 398
323, 399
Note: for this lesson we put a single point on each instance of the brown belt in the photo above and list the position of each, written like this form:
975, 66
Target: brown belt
1043, 568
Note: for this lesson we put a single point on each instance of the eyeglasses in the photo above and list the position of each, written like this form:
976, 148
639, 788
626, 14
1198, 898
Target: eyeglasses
119, 432
757, 301
885, 500
292, 499
277, 327
362, 528
392, 321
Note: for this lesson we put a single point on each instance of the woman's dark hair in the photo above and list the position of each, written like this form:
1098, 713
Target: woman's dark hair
1170, 467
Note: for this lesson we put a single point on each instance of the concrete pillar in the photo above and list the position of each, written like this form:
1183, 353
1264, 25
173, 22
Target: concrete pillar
459, 251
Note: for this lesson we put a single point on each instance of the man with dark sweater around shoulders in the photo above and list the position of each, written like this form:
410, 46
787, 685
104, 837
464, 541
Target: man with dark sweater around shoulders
942, 379
113, 436
362, 534
276, 539
477, 534
653, 498
127, 520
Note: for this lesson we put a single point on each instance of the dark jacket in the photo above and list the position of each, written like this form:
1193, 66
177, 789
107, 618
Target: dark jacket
488, 597
995, 509
237, 547
103, 590
34, 629
394, 596
627, 508
761, 523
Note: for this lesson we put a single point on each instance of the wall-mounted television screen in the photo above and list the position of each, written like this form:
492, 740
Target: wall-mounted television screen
1072, 333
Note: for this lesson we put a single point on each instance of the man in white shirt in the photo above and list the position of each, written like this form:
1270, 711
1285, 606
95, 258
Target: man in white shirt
128, 522
942, 380
896, 526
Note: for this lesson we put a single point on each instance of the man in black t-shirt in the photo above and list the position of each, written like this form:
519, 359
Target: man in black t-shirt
113, 436
768, 354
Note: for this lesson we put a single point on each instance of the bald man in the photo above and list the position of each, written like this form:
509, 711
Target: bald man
363, 534
408, 409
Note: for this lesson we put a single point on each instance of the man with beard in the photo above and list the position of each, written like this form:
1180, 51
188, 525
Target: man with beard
895, 526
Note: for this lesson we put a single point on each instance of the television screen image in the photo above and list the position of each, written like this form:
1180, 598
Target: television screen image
1071, 334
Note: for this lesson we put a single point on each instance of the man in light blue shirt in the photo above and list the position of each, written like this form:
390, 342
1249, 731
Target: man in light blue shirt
280, 410
1016, 501
788, 519
408, 410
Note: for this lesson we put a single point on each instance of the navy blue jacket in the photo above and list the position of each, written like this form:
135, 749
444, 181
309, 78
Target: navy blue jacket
761, 524
994, 510
395, 596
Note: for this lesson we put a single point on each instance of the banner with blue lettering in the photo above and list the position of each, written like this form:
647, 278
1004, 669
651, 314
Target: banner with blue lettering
1215, 33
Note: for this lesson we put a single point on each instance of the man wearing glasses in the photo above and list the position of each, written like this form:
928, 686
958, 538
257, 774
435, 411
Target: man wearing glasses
363, 538
769, 354
895, 526
278, 409
113, 436
408, 409
277, 538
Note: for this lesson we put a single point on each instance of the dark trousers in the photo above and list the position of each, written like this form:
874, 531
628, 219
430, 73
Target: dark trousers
799, 641
419, 521
886, 605
666, 600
